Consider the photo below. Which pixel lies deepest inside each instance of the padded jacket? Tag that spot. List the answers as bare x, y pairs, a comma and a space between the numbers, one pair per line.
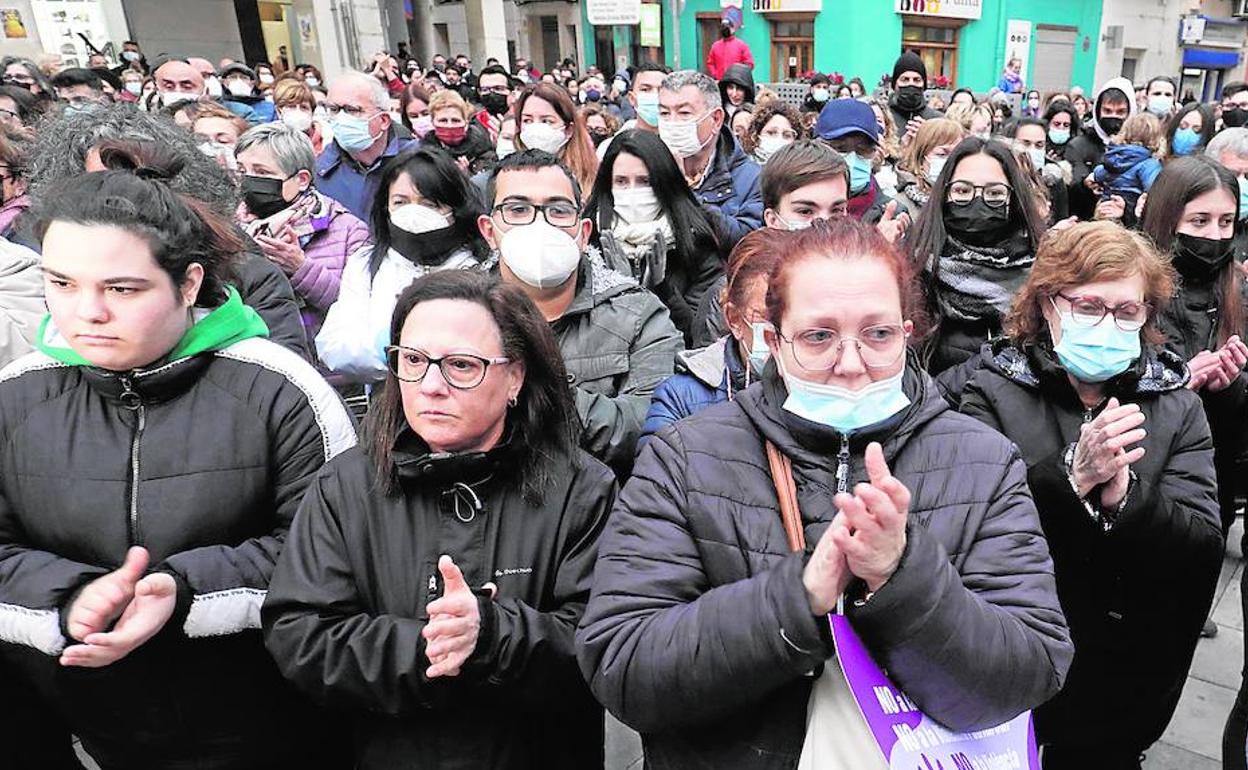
699, 632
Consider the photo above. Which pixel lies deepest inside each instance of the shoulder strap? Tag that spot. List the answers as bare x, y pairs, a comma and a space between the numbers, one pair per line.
786, 493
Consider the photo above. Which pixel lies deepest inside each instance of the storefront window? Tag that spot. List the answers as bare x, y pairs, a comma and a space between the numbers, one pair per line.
936, 45
792, 47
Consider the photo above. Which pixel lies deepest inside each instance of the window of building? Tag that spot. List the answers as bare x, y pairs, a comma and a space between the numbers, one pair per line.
792, 46
936, 44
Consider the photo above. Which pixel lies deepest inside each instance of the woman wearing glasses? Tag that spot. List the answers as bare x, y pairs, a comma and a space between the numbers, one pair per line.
707, 610
974, 242
435, 577
423, 220
1120, 461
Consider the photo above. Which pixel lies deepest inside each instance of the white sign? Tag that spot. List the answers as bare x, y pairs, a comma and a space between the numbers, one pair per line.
62, 25
947, 9
777, 6
1193, 29
605, 13
1018, 44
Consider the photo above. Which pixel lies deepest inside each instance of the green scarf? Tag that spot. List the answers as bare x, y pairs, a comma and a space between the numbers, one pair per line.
219, 328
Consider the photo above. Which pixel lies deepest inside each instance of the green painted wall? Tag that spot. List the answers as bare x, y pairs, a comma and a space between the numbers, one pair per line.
864, 39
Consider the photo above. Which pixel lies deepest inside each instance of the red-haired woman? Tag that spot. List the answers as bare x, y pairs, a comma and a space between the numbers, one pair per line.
1120, 461
945, 574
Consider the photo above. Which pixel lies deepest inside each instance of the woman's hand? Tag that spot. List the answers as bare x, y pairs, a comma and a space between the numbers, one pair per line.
454, 622
104, 599
1101, 456
1112, 208
892, 225
1229, 361
874, 536
827, 573
283, 249
155, 598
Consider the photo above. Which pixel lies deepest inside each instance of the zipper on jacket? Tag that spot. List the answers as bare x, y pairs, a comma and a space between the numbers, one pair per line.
131, 400
842, 465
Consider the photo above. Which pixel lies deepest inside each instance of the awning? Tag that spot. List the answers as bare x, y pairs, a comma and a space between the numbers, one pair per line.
1210, 60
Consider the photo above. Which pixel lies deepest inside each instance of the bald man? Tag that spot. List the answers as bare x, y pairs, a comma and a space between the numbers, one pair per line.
177, 82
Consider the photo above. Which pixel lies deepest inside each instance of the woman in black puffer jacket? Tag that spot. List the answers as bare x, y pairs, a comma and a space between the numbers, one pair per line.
703, 625
1119, 458
155, 450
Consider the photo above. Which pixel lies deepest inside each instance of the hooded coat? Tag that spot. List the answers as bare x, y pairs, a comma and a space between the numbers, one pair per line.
1085, 151
737, 75
1136, 585
699, 632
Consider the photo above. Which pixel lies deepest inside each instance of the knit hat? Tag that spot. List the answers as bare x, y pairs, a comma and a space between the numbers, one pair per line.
909, 62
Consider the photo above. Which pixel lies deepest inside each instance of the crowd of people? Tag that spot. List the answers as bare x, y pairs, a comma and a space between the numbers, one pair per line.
413, 416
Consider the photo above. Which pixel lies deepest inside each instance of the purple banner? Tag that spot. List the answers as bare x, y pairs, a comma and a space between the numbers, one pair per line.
911, 740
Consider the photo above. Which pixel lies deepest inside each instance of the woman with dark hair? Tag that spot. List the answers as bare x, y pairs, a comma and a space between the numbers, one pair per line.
974, 243
414, 110
856, 89
23, 73
1190, 214
1189, 130
710, 601
18, 109
650, 226
547, 120
1031, 107
1062, 124
434, 579
964, 96
424, 219
157, 449
773, 125
1119, 459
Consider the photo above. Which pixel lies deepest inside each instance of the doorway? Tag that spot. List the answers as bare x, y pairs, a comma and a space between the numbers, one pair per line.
708, 33
792, 46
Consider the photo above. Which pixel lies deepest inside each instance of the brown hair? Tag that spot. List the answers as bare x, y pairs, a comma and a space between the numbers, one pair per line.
842, 238
753, 258
292, 92
1087, 253
932, 134
763, 115
578, 154
214, 110
1143, 129
590, 110
806, 161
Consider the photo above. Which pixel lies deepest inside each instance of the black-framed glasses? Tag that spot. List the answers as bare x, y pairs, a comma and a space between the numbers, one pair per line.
1090, 311
818, 350
995, 194
462, 371
525, 213
332, 110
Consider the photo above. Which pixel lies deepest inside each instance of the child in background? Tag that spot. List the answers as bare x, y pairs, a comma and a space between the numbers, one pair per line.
1130, 164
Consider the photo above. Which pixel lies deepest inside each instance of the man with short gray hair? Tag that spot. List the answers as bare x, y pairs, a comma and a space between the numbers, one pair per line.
349, 168
721, 175
1230, 148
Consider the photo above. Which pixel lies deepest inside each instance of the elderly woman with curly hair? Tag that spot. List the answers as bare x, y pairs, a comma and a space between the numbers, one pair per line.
773, 126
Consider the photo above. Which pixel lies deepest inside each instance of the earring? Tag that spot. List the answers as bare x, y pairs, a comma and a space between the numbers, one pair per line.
511, 402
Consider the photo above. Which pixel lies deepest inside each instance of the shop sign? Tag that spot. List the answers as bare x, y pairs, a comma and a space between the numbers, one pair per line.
651, 25
946, 9
787, 6
605, 13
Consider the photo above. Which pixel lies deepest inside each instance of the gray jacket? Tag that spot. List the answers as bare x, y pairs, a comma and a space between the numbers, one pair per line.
21, 300
618, 344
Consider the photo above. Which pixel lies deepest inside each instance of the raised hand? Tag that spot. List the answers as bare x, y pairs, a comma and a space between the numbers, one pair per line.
874, 537
454, 622
826, 573
1101, 456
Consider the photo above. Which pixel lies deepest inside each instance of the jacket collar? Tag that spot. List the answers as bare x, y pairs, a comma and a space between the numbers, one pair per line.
596, 283
415, 464
1036, 366
333, 156
147, 386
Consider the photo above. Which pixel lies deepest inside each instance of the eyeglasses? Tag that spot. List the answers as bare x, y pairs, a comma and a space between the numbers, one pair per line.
496, 90
21, 80
818, 350
1090, 311
462, 371
332, 109
525, 213
785, 134
996, 194
6, 115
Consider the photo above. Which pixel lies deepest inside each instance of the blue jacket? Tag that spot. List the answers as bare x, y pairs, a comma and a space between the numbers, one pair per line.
703, 378
730, 191
338, 176
1127, 169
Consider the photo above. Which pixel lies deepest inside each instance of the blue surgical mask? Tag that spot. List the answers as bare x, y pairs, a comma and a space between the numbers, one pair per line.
1160, 105
648, 108
759, 352
1185, 140
1096, 353
859, 172
352, 134
1243, 198
842, 409
1059, 135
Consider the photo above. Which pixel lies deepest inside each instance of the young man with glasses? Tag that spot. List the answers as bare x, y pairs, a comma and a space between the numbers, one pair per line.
350, 168
617, 340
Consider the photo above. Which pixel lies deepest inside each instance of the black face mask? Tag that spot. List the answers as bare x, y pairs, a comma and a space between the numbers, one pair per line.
263, 195
431, 248
597, 138
1235, 117
1201, 259
976, 223
910, 98
495, 104
1110, 125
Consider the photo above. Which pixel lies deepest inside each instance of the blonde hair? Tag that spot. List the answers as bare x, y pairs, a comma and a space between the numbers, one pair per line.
932, 134
964, 114
288, 92
1143, 129
449, 100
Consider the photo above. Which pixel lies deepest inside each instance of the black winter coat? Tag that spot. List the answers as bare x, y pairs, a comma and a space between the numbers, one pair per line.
202, 461
1137, 595
1084, 153
699, 632
266, 289
347, 604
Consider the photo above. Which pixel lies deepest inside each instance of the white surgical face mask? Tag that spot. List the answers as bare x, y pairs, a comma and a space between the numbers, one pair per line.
767, 146
170, 98
504, 147
213, 88
267, 79
636, 205
312, 81
800, 224
134, 87
934, 167
300, 120
239, 87
1036, 156
223, 154
417, 219
681, 137
539, 136
539, 254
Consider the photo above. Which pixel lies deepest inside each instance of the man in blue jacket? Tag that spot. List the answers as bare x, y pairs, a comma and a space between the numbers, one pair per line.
721, 175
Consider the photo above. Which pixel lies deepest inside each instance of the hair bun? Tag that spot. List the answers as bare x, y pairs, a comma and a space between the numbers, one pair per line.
145, 160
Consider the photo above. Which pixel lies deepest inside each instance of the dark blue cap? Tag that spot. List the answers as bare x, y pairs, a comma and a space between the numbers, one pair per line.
842, 117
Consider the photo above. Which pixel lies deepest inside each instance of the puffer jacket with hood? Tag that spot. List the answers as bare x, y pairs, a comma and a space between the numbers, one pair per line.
346, 609
731, 191
703, 378
738, 75
1135, 584
201, 458
699, 631
1085, 151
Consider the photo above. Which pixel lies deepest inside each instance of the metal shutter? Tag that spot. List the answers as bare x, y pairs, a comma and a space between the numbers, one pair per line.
1054, 57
